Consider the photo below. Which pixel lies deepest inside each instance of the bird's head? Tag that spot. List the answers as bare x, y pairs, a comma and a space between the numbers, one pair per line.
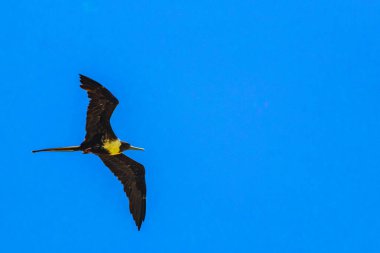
127, 146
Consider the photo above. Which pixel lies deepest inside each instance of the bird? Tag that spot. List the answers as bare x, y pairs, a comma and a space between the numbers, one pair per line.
101, 140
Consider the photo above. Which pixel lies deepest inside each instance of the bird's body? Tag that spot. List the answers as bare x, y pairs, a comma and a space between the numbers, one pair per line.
112, 146
102, 141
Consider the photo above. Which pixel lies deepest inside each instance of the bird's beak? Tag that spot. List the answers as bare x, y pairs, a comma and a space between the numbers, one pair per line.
135, 148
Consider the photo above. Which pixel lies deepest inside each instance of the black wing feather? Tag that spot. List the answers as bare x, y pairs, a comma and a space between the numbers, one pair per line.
132, 176
99, 111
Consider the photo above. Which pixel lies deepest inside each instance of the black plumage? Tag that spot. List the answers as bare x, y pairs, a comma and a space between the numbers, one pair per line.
132, 175
100, 109
101, 140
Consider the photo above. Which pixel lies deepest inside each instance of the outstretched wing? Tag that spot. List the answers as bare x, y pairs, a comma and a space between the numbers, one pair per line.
99, 111
132, 176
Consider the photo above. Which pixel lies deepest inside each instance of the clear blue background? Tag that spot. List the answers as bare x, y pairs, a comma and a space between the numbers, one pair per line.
260, 121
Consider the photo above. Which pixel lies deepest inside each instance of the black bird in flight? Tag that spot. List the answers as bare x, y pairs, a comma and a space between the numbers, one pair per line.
102, 141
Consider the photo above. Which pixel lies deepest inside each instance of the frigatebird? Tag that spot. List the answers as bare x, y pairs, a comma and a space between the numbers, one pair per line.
101, 140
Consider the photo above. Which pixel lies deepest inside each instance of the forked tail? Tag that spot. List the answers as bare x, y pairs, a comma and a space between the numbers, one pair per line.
65, 149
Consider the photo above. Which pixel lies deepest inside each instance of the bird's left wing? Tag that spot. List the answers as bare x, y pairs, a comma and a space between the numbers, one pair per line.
132, 176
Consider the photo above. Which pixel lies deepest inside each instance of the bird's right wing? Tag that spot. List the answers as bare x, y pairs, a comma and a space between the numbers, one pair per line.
99, 111
132, 176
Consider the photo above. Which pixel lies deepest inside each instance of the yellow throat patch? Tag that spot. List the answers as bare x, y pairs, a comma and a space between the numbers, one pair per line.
112, 146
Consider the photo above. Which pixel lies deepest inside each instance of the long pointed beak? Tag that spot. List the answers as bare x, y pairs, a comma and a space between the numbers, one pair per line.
135, 148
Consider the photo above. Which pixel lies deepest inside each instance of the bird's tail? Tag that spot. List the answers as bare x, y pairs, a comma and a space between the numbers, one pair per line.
71, 148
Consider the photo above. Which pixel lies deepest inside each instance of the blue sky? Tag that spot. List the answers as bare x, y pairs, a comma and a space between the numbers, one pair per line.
260, 121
